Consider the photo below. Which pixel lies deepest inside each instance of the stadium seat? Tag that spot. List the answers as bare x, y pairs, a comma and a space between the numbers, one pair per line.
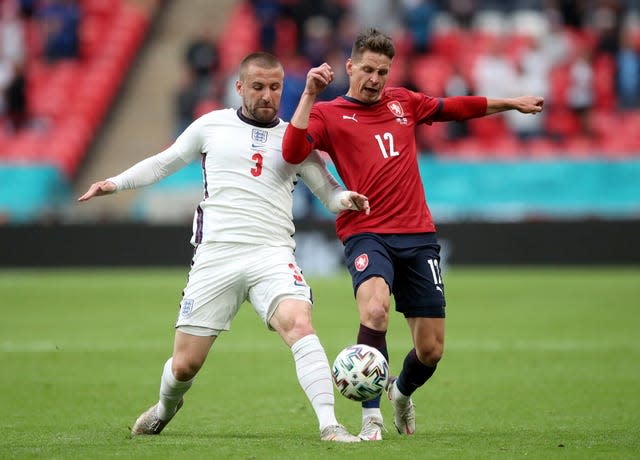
604, 74
561, 123
580, 147
542, 148
430, 74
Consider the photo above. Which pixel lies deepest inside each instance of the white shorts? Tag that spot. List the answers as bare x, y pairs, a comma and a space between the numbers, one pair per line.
224, 275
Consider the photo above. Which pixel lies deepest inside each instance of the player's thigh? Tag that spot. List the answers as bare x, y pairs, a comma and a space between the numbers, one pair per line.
418, 289
367, 256
216, 286
273, 277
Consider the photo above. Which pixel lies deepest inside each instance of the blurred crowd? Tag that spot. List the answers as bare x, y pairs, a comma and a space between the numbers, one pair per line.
46, 30
583, 56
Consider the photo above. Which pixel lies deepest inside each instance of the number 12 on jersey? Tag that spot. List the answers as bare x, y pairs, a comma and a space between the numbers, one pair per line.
381, 143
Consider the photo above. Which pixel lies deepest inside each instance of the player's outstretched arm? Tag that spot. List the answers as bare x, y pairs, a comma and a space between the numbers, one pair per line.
523, 104
104, 187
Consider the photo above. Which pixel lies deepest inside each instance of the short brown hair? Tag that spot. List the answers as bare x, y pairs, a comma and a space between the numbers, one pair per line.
261, 59
375, 41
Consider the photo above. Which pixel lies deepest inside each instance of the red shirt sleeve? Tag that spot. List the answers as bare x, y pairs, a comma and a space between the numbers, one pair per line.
461, 108
296, 145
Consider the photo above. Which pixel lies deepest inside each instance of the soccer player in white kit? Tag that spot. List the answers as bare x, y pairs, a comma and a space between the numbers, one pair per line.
243, 237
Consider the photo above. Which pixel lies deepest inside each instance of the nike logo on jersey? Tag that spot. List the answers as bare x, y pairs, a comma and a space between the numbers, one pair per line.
352, 117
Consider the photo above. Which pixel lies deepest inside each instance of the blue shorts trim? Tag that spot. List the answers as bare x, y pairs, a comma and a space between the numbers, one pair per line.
410, 265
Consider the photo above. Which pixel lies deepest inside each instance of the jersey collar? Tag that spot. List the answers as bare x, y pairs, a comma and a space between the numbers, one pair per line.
253, 122
356, 101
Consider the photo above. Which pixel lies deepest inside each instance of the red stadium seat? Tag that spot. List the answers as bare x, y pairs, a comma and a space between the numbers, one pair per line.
561, 122
430, 74
542, 148
580, 147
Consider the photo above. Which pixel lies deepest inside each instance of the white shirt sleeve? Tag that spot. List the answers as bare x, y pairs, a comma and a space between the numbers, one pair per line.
317, 177
183, 151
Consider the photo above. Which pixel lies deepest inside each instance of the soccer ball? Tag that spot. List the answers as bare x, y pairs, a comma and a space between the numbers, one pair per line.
360, 372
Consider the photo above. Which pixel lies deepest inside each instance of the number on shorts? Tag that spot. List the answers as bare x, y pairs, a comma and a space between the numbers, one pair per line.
435, 271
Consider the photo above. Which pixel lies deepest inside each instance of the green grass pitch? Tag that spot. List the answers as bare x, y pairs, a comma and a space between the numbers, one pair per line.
539, 363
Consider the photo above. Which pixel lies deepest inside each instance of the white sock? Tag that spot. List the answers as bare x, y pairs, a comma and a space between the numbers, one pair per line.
314, 375
171, 392
397, 395
371, 412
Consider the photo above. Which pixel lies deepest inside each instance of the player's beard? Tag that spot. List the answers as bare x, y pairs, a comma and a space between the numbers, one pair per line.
262, 113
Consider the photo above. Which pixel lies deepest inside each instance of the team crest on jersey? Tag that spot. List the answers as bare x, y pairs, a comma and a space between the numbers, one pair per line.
259, 135
361, 262
396, 109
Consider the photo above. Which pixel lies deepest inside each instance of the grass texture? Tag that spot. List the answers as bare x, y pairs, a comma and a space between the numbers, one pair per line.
539, 363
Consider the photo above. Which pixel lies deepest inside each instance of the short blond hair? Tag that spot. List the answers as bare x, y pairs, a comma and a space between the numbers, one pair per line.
261, 59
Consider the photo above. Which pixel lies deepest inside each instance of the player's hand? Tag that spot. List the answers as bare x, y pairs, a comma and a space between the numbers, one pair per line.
318, 78
529, 104
104, 187
356, 202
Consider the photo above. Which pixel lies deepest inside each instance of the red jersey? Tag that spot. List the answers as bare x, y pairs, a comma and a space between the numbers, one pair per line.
373, 147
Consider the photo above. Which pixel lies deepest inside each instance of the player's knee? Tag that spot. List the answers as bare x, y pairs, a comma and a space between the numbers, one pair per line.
376, 316
301, 326
294, 327
430, 354
185, 369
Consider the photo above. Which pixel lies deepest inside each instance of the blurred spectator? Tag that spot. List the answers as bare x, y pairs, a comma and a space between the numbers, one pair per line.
628, 66
457, 85
345, 34
494, 75
554, 43
295, 76
532, 77
580, 92
606, 19
13, 102
301, 10
60, 20
318, 36
340, 84
267, 13
27, 8
201, 84
572, 12
384, 15
418, 19
462, 11
201, 55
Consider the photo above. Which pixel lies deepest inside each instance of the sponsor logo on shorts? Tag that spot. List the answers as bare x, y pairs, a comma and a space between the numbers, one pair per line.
298, 279
361, 262
186, 306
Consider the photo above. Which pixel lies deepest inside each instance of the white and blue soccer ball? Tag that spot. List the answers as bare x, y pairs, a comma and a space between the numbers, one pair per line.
360, 372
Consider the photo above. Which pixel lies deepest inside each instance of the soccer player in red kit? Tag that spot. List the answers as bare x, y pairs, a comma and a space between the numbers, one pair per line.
369, 133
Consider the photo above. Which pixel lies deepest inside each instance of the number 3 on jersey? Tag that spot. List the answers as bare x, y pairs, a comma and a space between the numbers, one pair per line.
257, 170
381, 143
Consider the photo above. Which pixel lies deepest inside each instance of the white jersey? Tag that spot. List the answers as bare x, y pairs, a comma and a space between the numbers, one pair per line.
248, 187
